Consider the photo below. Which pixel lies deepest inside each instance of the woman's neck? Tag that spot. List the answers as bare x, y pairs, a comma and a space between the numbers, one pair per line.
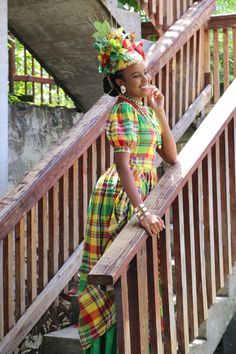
134, 99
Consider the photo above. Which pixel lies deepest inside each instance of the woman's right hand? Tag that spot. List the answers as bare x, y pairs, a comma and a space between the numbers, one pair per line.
153, 224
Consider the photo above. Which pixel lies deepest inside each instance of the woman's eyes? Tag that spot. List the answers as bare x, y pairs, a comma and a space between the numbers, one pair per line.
138, 75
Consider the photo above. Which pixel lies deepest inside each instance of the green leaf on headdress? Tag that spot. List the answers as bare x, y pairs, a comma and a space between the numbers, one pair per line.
113, 56
103, 29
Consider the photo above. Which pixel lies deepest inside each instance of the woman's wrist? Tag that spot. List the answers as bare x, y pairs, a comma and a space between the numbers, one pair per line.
141, 211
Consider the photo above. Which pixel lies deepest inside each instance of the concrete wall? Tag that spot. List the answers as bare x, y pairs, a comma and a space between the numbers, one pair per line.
33, 131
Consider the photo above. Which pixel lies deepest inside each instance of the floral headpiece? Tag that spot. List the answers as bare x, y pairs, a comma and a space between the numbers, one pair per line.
116, 50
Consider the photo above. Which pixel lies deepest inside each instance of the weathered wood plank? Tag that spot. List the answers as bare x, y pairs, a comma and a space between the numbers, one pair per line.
216, 67
1, 292
170, 345
31, 255
41, 303
199, 245
83, 195
53, 230
221, 21
43, 241
154, 297
209, 229
232, 176
133, 301
226, 57
180, 274
190, 260
20, 267
143, 298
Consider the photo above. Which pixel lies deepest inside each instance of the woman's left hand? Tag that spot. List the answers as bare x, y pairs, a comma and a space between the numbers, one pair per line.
156, 99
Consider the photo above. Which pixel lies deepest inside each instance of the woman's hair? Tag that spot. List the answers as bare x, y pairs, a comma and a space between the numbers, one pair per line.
109, 84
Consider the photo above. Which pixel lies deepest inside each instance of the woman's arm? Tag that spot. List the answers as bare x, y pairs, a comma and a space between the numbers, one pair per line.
152, 223
168, 151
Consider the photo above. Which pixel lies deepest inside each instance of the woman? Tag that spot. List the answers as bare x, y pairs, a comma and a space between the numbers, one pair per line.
135, 132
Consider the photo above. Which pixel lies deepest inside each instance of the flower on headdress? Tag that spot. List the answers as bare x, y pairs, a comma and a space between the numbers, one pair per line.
116, 50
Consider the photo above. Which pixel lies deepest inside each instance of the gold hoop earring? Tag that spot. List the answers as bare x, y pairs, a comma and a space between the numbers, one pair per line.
122, 89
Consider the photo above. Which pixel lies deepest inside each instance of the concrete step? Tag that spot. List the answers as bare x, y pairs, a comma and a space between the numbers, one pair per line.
64, 341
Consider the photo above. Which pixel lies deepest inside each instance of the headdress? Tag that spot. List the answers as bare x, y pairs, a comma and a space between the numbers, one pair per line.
116, 50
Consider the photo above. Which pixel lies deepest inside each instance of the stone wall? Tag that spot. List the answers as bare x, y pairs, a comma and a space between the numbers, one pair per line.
33, 130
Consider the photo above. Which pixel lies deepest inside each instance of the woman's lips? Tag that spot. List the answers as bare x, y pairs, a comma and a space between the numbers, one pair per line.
146, 87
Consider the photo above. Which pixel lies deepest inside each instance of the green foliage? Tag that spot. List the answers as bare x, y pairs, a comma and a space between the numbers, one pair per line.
225, 6
24, 91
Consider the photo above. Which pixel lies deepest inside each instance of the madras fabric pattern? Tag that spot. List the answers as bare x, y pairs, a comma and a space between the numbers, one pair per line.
109, 210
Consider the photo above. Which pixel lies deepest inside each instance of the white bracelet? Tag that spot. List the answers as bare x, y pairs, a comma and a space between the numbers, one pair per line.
141, 211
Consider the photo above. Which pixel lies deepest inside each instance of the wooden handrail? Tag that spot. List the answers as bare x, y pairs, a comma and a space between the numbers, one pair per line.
38, 181
31, 189
119, 255
178, 34
222, 21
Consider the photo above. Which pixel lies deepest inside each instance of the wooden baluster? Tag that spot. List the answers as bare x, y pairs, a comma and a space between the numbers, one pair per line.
216, 70
133, 301
170, 345
186, 75
31, 255
226, 57
143, 298
181, 281
20, 267
101, 153
63, 219
25, 71
179, 79
41, 85
123, 330
109, 154
8, 287
33, 73
217, 217
225, 210
192, 69
190, 260
83, 195
74, 213
154, 297
53, 230
199, 245
234, 50
92, 168
152, 6
209, 229
160, 12
43, 241
172, 92
200, 61
232, 174
207, 52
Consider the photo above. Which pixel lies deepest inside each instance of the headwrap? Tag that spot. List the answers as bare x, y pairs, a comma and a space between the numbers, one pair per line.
116, 50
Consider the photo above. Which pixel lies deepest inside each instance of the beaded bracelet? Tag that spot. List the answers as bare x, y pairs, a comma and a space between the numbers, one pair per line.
141, 211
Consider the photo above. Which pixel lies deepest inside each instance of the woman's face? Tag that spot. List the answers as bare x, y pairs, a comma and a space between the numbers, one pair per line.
136, 81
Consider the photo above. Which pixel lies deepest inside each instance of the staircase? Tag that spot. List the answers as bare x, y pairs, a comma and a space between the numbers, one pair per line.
40, 216
58, 33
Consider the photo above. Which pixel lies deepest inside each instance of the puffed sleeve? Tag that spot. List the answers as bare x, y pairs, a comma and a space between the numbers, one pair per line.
122, 128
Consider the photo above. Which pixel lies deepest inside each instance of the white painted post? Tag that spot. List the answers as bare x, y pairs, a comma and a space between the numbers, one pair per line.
3, 98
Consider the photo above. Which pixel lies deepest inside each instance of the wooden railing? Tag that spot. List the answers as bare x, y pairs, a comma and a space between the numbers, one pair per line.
163, 13
220, 44
29, 80
198, 194
42, 220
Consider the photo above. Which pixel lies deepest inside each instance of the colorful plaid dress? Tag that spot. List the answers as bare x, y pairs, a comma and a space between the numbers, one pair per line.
109, 210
